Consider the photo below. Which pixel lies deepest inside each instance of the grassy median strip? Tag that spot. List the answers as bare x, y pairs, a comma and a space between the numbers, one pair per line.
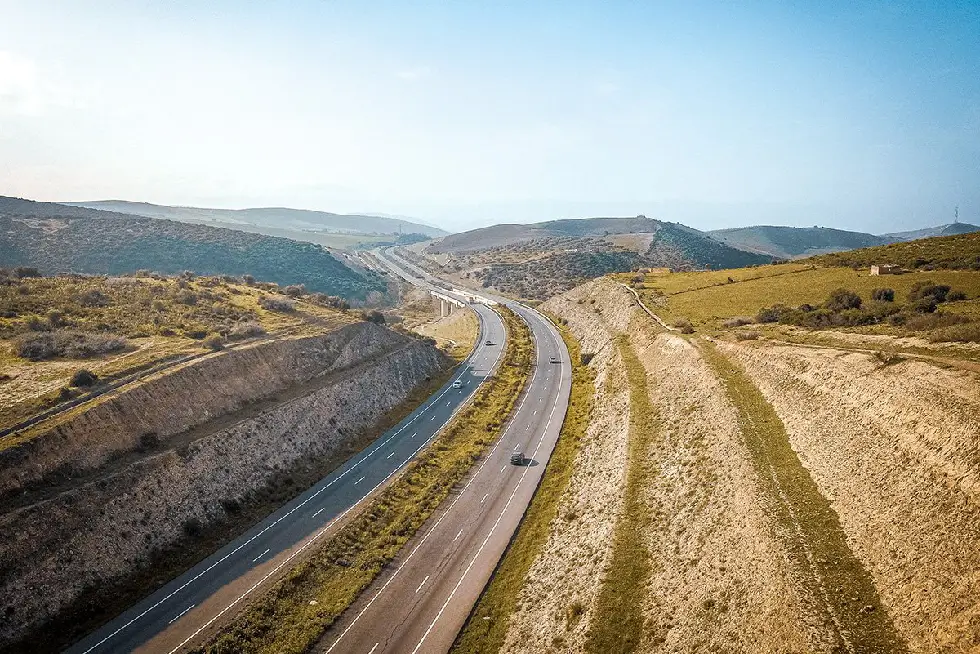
499, 599
617, 624
837, 588
298, 609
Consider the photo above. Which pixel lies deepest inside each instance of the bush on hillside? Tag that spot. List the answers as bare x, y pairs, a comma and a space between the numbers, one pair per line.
842, 299
956, 296
738, 321
683, 325
83, 378
374, 316
929, 291
246, 330
71, 345
883, 294
279, 303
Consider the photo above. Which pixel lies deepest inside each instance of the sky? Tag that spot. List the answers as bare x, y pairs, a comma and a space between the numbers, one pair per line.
856, 115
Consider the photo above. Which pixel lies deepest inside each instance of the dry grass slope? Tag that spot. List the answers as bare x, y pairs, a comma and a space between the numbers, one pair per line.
617, 625
839, 590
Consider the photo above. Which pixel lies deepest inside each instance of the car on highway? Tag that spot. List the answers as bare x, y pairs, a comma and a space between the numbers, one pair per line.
517, 457
489, 342
458, 384
554, 360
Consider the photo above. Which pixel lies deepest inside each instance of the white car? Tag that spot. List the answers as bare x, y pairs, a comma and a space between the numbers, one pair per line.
554, 359
457, 384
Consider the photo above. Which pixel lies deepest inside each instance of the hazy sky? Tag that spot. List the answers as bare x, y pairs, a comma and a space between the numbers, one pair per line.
854, 115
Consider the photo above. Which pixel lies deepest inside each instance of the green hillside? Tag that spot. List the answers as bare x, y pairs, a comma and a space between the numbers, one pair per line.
56, 238
957, 252
793, 242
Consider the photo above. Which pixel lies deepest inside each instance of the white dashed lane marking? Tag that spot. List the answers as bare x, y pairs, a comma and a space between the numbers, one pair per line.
422, 584
260, 556
177, 617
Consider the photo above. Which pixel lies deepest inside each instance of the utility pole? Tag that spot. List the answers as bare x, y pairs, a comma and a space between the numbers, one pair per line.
956, 215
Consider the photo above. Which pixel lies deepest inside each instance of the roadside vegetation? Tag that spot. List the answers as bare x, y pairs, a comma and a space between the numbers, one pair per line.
617, 624
115, 327
296, 611
487, 625
838, 591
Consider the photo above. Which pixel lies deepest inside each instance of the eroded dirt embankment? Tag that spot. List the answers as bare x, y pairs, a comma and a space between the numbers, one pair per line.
719, 577
96, 533
896, 448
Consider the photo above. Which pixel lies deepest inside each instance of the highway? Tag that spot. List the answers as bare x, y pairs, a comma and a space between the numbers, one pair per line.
188, 609
420, 602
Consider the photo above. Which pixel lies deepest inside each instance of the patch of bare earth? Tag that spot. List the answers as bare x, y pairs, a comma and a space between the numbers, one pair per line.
558, 597
720, 578
896, 450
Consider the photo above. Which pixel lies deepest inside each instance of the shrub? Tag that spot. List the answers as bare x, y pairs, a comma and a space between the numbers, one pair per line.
738, 321
374, 316
923, 305
187, 297
683, 325
963, 333
955, 296
22, 271
842, 299
746, 335
246, 330
93, 298
279, 303
71, 345
214, 343
774, 313
295, 290
928, 291
883, 294
83, 378
935, 321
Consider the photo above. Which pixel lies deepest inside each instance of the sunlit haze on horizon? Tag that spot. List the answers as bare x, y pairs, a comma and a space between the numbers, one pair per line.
860, 116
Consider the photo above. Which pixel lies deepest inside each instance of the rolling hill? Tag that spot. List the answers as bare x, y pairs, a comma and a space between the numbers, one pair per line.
542, 259
942, 230
956, 252
795, 242
58, 238
291, 221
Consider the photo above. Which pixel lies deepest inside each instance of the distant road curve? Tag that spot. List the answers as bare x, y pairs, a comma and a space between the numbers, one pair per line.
420, 602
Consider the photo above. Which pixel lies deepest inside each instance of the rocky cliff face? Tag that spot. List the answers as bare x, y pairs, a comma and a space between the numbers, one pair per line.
130, 506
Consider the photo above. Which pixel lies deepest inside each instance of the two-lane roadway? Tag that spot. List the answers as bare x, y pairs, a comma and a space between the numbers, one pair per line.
423, 599
189, 608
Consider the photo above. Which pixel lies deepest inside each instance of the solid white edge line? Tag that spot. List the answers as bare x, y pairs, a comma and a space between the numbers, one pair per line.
429, 403
329, 524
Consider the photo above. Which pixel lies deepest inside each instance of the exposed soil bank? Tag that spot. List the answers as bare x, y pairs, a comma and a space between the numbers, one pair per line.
110, 527
896, 448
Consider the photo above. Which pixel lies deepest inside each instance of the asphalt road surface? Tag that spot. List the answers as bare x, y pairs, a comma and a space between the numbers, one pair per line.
185, 611
420, 602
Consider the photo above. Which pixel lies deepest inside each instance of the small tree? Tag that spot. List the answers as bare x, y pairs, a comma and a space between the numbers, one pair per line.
83, 378
883, 294
842, 299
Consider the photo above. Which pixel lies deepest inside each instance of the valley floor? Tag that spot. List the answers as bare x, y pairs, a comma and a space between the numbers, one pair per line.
757, 496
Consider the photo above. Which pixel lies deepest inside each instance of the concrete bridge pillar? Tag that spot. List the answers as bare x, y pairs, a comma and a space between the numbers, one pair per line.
442, 308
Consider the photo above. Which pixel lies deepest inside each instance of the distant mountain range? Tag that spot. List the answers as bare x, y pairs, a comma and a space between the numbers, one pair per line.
797, 242
60, 238
271, 217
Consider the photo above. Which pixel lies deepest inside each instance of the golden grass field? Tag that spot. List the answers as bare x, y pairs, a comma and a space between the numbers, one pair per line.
708, 298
